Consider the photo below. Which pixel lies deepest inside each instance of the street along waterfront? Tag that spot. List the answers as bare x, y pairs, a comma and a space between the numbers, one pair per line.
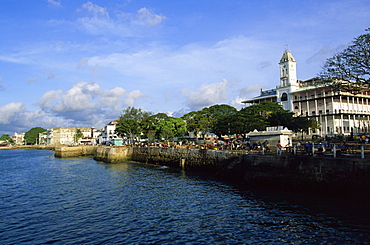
81, 201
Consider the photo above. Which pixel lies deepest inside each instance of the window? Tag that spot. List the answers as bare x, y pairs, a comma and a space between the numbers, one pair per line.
284, 97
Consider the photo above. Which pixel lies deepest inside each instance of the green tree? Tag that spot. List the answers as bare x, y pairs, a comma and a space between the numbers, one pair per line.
207, 119
78, 135
171, 127
281, 118
31, 136
352, 64
266, 108
303, 124
196, 122
149, 125
129, 123
6, 137
257, 117
247, 120
128, 127
134, 113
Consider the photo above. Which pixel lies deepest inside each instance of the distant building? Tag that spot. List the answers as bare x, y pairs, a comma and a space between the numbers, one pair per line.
337, 112
43, 138
66, 136
109, 136
18, 138
273, 135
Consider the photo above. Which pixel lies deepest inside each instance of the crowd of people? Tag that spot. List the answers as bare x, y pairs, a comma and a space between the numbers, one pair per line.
258, 147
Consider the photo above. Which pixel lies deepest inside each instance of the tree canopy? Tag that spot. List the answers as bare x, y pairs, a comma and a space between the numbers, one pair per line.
218, 119
6, 137
352, 64
208, 119
78, 135
31, 136
129, 122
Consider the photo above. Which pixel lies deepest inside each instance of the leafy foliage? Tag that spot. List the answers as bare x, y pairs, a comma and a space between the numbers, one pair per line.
219, 119
6, 137
208, 119
171, 127
352, 64
303, 124
134, 113
129, 122
149, 124
32, 135
162, 126
78, 135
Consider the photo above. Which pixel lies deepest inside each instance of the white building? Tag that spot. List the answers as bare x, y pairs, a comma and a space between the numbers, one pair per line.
66, 136
273, 135
108, 134
338, 112
18, 138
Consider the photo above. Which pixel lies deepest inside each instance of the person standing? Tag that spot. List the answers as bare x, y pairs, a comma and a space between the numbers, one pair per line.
279, 148
265, 146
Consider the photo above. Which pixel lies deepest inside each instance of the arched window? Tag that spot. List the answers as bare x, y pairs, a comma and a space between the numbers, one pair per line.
284, 97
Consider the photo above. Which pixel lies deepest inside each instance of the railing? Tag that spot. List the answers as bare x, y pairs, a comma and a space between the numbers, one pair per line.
331, 150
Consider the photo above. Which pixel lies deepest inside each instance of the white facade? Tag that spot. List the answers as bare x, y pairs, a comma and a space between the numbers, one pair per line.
108, 134
273, 135
66, 135
18, 138
288, 80
337, 112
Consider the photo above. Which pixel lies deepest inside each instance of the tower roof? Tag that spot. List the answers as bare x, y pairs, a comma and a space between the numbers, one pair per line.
287, 56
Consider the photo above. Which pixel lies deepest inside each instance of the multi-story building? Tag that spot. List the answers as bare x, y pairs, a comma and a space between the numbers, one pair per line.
66, 136
108, 134
18, 138
337, 111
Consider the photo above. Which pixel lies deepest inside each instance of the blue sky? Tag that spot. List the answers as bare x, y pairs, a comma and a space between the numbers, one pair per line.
80, 63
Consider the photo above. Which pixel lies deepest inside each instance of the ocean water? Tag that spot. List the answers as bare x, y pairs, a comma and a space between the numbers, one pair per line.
46, 200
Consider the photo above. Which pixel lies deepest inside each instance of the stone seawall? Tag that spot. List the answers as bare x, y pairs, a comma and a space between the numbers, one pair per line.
75, 151
192, 159
348, 177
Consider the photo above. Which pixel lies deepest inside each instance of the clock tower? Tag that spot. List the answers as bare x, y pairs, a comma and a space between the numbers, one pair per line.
288, 80
288, 72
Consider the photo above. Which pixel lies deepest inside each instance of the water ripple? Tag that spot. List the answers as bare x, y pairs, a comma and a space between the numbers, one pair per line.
77, 201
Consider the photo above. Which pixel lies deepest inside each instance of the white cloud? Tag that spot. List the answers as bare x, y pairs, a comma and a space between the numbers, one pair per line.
250, 90
54, 3
96, 10
207, 95
82, 96
2, 87
86, 102
16, 118
10, 111
97, 20
132, 96
148, 17
236, 102
48, 100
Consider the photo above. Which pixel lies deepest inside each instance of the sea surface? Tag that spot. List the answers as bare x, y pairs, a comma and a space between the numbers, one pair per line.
46, 200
